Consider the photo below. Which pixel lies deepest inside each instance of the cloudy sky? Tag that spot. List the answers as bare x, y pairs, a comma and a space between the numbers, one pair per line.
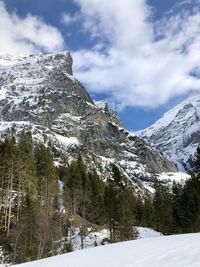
142, 56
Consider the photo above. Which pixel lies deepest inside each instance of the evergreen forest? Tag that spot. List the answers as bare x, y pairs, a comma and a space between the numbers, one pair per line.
40, 202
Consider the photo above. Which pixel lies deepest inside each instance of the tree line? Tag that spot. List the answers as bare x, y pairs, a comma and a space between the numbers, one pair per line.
38, 202
177, 208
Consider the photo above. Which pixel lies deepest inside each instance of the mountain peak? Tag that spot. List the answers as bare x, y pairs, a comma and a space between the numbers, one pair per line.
62, 59
177, 132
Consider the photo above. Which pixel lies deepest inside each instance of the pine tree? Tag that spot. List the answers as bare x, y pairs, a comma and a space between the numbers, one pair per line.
177, 191
162, 205
190, 206
8, 176
119, 207
190, 201
95, 205
47, 176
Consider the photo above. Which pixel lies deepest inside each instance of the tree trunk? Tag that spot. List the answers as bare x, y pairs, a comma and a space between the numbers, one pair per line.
18, 199
10, 200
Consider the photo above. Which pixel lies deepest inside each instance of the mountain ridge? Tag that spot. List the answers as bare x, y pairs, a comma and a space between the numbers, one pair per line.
177, 133
41, 95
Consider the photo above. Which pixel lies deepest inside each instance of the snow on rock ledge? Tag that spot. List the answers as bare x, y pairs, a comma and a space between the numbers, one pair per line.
179, 177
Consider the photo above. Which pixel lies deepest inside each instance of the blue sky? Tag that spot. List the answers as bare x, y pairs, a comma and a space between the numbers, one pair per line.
136, 54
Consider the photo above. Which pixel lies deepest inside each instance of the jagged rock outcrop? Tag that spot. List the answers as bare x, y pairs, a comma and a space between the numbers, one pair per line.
40, 94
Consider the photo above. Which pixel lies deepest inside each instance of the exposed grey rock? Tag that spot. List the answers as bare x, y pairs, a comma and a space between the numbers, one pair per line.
39, 93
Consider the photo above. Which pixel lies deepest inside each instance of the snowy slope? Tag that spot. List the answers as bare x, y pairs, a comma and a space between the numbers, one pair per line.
170, 251
144, 233
101, 237
96, 238
177, 133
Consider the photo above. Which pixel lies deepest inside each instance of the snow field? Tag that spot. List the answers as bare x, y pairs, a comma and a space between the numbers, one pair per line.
165, 251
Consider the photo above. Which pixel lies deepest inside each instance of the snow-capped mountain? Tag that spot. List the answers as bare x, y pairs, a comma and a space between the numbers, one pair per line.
39, 93
177, 133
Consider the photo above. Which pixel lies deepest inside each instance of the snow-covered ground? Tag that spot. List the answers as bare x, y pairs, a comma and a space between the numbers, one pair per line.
93, 239
101, 237
144, 233
165, 251
98, 238
167, 178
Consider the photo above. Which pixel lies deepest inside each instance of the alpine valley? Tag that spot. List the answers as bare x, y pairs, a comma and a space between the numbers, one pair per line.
71, 177
99, 133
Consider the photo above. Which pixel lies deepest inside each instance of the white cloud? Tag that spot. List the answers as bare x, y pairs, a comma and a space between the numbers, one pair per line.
27, 35
67, 18
122, 22
143, 63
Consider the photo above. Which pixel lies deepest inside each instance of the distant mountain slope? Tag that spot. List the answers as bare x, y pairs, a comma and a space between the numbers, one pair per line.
173, 251
177, 133
40, 94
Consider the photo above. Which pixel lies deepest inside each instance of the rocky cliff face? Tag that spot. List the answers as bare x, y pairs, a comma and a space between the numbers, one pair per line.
39, 93
177, 133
